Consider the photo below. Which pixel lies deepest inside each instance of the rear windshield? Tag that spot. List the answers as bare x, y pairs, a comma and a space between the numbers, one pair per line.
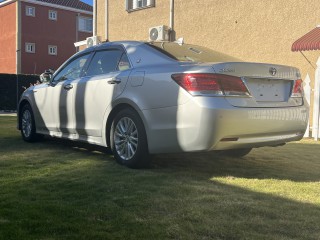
190, 53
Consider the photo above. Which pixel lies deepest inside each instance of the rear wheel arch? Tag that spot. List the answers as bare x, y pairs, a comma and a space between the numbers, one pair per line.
134, 137
112, 115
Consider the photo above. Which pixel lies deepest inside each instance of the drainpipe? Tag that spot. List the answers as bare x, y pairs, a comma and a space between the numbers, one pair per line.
18, 47
172, 37
95, 18
107, 20
77, 30
18, 37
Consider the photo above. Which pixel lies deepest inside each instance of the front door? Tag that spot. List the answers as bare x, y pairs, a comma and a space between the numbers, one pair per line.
57, 98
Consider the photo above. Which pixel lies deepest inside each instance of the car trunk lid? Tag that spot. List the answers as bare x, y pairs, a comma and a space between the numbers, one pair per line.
269, 85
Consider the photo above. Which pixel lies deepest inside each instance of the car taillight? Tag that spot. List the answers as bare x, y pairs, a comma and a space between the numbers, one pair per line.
297, 90
211, 84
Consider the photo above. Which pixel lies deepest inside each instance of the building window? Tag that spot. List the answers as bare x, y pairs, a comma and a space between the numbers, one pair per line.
30, 11
53, 15
52, 50
30, 47
85, 24
133, 5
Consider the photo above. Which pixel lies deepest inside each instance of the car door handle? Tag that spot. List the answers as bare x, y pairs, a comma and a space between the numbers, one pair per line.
114, 81
68, 86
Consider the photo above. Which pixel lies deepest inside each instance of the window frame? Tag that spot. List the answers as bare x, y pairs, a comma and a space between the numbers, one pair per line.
33, 45
133, 5
54, 53
86, 19
33, 14
55, 14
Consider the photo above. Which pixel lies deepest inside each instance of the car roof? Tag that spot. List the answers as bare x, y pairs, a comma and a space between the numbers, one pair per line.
108, 44
115, 43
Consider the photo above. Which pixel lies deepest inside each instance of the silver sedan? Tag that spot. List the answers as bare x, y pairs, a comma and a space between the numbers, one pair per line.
142, 98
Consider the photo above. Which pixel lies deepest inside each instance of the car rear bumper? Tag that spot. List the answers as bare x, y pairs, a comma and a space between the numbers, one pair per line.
205, 124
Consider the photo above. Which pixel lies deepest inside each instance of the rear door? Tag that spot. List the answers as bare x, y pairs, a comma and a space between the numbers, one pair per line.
104, 80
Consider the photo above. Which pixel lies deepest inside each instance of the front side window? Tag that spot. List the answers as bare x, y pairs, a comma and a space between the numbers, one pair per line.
72, 70
52, 50
53, 15
107, 61
30, 11
30, 47
85, 24
133, 5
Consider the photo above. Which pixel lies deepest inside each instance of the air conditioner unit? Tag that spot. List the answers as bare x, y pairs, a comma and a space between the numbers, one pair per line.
92, 41
159, 33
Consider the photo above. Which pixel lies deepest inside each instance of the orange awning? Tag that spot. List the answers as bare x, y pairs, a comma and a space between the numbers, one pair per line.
308, 42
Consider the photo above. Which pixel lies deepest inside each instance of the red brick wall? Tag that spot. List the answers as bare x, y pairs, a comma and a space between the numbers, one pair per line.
43, 32
8, 38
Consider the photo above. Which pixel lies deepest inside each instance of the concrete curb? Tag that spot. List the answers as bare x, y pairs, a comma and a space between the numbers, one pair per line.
8, 113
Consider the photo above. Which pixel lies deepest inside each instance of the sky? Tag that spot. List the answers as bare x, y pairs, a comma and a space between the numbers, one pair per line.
88, 1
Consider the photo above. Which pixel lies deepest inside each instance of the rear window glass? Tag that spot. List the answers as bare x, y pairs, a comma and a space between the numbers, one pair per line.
191, 53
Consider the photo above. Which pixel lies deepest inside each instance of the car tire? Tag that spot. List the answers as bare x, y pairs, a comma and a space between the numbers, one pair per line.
28, 127
128, 139
237, 152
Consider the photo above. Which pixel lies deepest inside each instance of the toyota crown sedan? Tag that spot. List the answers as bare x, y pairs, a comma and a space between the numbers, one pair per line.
142, 98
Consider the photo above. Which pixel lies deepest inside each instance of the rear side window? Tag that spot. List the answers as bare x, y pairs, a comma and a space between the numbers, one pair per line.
105, 61
190, 53
124, 63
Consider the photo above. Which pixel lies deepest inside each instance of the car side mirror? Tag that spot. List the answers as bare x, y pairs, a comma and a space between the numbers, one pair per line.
46, 76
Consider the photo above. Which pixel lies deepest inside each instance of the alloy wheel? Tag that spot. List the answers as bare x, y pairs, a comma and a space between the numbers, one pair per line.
126, 138
26, 123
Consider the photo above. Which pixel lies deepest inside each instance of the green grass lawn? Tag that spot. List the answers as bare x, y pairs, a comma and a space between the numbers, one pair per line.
58, 189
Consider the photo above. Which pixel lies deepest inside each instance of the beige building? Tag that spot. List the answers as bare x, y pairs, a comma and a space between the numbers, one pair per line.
252, 30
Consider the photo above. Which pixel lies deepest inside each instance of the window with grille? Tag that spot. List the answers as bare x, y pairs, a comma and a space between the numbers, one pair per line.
30, 11
133, 5
52, 50
30, 47
53, 15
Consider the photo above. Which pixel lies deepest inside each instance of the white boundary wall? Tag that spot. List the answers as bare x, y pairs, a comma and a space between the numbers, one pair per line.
316, 100
307, 95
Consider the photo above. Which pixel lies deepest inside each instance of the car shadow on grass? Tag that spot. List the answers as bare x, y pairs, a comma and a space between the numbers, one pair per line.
296, 161
77, 146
